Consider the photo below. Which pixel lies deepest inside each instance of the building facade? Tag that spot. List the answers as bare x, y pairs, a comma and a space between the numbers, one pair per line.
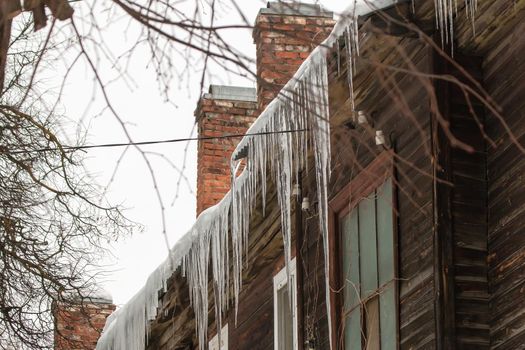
424, 247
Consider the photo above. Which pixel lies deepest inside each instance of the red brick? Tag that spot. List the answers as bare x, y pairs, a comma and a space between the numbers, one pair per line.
79, 326
304, 54
299, 35
287, 54
283, 27
220, 117
294, 20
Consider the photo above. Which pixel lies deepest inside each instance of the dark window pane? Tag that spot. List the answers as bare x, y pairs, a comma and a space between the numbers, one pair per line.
285, 320
371, 312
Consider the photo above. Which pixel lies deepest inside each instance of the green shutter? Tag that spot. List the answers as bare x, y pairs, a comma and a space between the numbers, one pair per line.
350, 238
368, 264
368, 245
385, 236
388, 318
353, 330
385, 233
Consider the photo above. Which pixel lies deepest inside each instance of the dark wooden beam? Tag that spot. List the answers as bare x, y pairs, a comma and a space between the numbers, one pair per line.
442, 219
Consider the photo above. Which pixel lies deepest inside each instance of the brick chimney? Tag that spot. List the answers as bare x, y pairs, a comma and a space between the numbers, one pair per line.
284, 35
224, 110
78, 324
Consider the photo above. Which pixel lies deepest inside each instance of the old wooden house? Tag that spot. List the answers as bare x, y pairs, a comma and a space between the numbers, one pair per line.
410, 236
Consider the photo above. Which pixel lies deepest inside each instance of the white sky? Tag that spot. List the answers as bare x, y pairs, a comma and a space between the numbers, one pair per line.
150, 118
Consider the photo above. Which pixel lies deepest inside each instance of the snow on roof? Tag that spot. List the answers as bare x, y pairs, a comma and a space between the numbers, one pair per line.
100, 295
235, 93
295, 9
93, 293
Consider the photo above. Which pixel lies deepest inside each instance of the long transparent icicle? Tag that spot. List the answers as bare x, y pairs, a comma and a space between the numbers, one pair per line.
127, 328
445, 11
302, 105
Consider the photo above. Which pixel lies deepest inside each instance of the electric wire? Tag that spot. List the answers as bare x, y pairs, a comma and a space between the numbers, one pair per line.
143, 143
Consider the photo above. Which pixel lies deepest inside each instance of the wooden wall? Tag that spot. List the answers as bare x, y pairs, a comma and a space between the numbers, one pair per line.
469, 212
353, 150
487, 204
504, 71
253, 328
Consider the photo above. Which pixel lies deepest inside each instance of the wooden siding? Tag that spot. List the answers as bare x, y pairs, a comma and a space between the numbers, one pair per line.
487, 200
352, 151
469, 214
504, 70
253, 328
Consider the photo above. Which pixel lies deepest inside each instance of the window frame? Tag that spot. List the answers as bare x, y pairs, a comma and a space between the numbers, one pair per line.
279, 282
371, 177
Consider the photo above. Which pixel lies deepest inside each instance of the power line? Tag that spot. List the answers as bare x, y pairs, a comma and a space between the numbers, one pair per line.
154, 142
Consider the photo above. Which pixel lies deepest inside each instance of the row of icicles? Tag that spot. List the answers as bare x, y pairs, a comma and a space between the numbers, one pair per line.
301, 105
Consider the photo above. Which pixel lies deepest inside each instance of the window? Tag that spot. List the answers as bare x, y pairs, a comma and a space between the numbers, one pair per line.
214, 342
369, 307
285, 309
362, 223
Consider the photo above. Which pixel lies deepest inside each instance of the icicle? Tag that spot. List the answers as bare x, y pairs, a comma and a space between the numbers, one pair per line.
445, 12
471, 7
319, 121
302, 105
127, 328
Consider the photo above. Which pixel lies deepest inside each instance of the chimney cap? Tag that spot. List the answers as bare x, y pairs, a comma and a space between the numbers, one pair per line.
295, 8
234, 93
94, 295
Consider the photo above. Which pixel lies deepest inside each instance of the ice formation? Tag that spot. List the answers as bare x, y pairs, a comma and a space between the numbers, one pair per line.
445, 12
301, 107
444, 16
295, 122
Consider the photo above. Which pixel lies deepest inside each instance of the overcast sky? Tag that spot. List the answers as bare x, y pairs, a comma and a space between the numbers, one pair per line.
150, 118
